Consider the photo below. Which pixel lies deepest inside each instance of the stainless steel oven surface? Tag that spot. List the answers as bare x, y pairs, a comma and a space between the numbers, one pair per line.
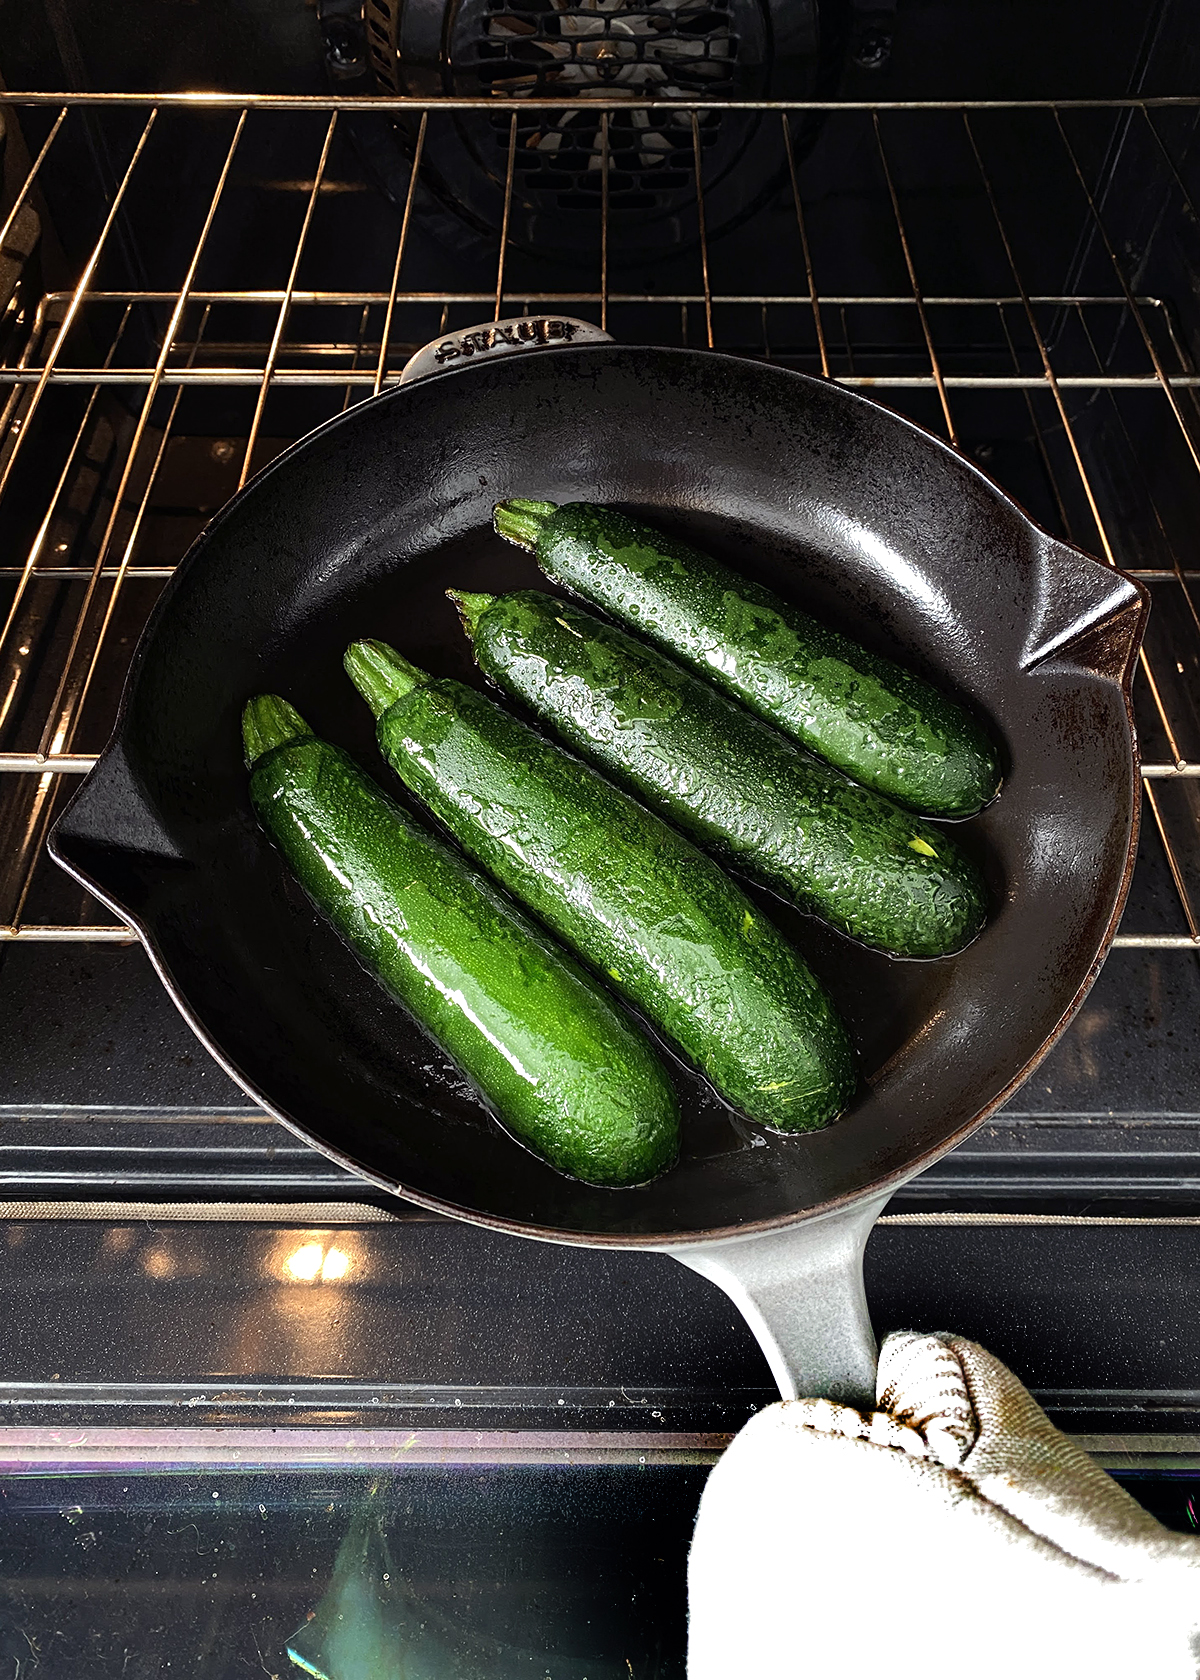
246, 1402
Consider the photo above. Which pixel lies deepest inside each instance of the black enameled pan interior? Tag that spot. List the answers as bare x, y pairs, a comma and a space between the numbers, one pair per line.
829, 498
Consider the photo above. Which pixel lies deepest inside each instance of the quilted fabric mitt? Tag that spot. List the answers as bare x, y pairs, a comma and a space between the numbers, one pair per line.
952, 1531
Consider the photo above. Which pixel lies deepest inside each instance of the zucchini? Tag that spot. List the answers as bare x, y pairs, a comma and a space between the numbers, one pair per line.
883, 725
754, 799
549, 1052
631, 896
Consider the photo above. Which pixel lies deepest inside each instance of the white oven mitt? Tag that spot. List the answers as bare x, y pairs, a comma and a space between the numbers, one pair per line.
952, 1533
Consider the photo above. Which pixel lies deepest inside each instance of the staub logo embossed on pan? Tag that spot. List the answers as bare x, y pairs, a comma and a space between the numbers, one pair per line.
534, 329
500, 338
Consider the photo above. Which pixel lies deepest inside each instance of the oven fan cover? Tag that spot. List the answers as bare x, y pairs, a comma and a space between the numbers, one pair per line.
661, 50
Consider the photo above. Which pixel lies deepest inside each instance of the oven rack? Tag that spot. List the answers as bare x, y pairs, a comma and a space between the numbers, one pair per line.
1093, 377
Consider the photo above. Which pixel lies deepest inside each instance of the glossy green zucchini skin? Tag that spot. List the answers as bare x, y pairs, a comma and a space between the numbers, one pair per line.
558, 1062
631, 896
744, 792
883, 725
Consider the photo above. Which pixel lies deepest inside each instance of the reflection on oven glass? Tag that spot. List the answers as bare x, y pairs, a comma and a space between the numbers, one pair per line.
383, 1619
434, 1571
478, 1564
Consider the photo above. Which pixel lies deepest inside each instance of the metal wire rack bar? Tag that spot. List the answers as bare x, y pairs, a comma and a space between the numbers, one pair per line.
935, 366
267, 295
362, 380
64, 350
401, 243
264, 383
203, 101
73, 307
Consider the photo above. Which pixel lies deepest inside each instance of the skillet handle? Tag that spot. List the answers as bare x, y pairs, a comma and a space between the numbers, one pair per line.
499, 338
801, 1292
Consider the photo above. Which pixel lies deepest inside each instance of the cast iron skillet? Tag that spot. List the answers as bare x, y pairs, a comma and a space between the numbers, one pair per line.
831, 500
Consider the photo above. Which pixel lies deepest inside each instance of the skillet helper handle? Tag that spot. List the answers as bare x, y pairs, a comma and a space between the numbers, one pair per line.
801, 1292
500, 338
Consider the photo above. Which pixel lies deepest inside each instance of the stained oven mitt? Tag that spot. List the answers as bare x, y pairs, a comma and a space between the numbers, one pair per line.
954, 1531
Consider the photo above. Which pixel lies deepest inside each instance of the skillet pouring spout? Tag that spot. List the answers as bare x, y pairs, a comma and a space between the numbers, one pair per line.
1090, 613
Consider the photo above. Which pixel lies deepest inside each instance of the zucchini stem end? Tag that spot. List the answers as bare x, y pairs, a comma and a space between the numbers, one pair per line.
380, 674
268, 722
520, 521
471, 608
